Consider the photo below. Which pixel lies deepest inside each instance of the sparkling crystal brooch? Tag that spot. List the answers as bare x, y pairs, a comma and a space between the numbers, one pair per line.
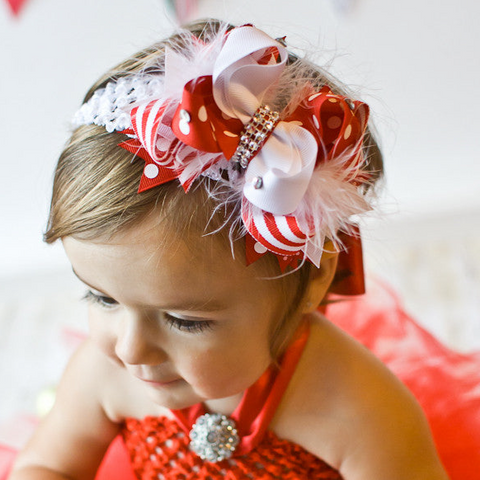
255, 134
214, 437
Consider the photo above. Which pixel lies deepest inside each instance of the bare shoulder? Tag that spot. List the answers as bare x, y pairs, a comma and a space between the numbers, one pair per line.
78, 421
346, 407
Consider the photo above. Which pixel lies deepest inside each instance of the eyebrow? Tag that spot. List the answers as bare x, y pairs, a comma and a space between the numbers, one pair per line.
189, 304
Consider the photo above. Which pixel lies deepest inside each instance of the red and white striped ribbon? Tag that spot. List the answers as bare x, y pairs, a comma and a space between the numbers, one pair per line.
280, 234
146, 122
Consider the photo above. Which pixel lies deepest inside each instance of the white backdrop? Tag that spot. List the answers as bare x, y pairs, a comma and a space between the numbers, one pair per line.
416, 63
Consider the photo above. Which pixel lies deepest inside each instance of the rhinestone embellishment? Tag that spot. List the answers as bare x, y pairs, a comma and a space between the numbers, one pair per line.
255, 133
350, 104
257, 182
214, 437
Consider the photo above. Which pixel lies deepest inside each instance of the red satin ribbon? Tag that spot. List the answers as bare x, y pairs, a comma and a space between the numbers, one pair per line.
207, 124
349, 277
336, 122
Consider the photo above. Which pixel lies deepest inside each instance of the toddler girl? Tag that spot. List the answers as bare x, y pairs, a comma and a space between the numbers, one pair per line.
205, 199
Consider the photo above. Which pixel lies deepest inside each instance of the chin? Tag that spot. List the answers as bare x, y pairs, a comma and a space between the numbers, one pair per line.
183, 397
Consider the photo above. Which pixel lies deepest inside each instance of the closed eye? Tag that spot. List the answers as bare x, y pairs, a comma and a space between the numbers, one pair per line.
192, 326
99, 299
187, 325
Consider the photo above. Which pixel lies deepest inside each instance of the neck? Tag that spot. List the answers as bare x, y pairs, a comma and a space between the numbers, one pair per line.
225, 406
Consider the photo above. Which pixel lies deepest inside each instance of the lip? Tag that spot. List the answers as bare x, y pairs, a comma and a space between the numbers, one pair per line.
157, 383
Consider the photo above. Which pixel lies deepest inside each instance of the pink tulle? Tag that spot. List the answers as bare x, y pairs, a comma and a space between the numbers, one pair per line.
7, 456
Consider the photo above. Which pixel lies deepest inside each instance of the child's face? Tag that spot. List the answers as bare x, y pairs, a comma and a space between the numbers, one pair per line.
192, 325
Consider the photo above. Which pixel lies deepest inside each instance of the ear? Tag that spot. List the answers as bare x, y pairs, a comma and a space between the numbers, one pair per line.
320, 279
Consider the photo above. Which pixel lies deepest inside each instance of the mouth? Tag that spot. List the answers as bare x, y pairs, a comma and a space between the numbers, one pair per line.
162, 383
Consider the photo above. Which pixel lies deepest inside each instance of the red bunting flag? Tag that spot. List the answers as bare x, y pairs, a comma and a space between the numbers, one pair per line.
16, 5
184, 10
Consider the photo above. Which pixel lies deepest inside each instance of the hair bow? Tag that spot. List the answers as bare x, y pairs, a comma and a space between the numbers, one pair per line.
300, 167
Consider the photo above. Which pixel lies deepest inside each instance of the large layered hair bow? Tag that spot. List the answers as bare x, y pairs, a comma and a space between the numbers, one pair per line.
300, 184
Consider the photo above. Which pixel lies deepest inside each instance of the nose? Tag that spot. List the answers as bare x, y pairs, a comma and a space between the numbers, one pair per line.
138, 341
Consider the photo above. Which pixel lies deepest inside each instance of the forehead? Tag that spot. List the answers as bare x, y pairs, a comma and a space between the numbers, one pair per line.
149, 264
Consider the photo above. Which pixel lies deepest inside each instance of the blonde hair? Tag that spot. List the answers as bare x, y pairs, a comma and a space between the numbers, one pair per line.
96, 181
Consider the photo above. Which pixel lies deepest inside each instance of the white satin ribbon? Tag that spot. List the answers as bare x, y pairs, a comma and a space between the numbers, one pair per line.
286, 161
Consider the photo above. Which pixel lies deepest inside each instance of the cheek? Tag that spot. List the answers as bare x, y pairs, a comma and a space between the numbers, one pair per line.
223, 372
102, 332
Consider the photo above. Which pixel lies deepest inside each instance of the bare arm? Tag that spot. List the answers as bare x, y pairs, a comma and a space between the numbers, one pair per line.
71, 441
37, 473
348, 409
392, 440
388, 434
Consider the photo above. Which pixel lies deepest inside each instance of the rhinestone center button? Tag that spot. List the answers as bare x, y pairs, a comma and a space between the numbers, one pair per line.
255, 133
214, 437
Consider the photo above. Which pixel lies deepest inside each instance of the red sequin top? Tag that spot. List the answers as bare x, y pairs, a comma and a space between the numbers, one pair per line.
159, 446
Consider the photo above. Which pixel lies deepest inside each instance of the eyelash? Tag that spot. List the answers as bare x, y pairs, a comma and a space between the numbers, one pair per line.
191, 326
102, 300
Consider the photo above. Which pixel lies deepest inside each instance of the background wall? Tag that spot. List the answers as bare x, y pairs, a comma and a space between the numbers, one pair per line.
416, 63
